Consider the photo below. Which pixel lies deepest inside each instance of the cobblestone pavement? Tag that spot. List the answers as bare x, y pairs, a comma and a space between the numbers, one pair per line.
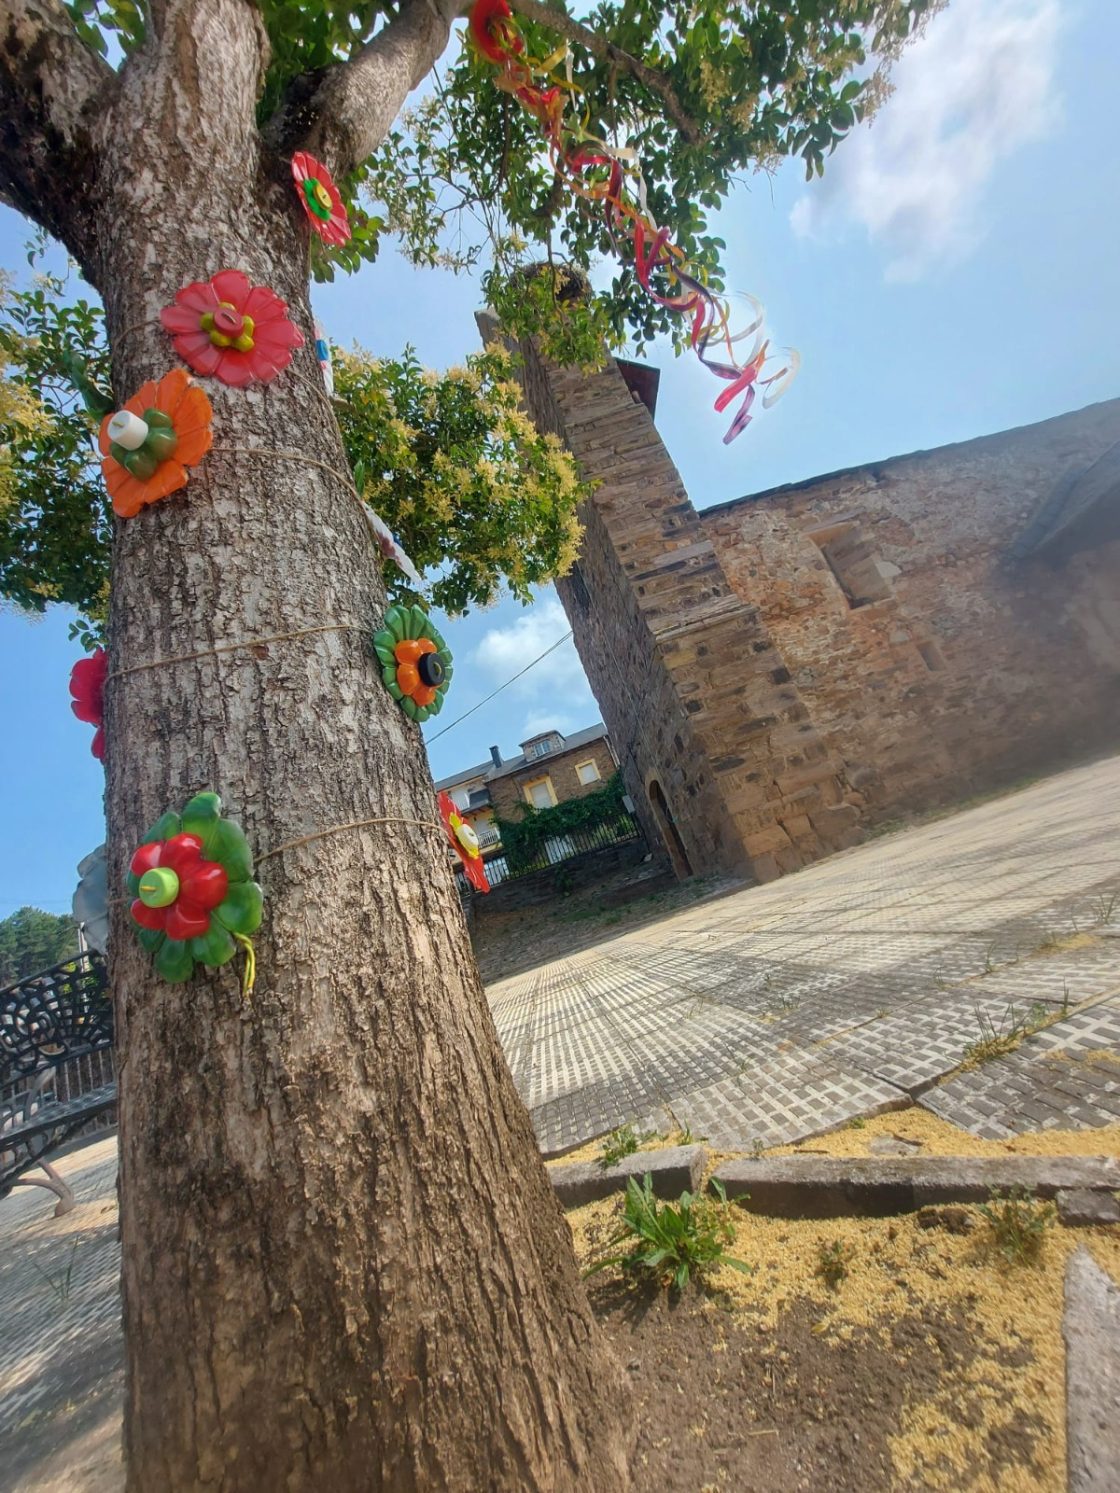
775, 1012
61, 1364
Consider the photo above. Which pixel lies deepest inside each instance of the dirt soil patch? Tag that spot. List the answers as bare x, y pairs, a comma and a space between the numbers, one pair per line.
721, 1405
931, 1364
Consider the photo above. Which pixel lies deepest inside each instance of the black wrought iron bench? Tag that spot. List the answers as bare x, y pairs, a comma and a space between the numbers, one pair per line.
47, 1023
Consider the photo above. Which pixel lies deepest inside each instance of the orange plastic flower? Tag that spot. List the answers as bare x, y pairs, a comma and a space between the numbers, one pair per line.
177, 415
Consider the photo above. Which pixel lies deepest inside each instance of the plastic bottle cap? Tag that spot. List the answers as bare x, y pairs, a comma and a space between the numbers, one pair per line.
467, 839
128, 430
159, 887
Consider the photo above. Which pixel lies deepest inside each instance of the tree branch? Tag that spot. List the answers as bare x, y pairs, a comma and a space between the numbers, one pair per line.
343, 113
51, 90
600, 46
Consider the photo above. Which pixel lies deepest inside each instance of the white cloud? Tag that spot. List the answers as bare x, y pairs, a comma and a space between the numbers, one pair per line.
976, 87
555, 690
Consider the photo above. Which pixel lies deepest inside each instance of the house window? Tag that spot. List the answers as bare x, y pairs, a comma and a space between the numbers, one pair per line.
848, 554
543, 747
541, 793
588, 772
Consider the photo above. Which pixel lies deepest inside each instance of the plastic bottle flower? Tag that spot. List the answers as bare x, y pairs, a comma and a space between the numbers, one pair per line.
231, 328
194, 900
87, 686
322, 201
415, 661
464, 842
147, 446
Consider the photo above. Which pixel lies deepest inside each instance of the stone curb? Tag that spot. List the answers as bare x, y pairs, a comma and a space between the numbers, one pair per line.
1091, 1328
673, 1171
830, 1187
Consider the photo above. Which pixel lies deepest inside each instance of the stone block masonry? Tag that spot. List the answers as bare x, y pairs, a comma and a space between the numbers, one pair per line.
935, 661
782, 671
703, 714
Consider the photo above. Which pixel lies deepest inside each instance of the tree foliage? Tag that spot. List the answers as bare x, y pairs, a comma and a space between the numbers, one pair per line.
475, 495
459, 474
464, 173
55, 516
32, 940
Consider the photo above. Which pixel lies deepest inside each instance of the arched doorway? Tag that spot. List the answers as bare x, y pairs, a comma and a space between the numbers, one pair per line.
668, 827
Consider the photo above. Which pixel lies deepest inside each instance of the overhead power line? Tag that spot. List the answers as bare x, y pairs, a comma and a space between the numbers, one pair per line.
452, 724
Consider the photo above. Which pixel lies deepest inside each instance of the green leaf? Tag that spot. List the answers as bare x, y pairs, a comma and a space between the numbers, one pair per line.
150, 938
409, 707
418, 623
384, 652
202, 806
215, 946
174, 961
229, 846
242, 910
163, 828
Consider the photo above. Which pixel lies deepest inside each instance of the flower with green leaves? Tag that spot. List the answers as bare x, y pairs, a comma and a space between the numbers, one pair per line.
415, 661
194, 899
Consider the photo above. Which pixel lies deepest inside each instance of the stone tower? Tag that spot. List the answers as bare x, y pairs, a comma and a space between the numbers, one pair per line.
718, 753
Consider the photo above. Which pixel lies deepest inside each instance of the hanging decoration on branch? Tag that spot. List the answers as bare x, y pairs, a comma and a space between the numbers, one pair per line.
609, 175
415, 661
148, 445
383, 536
387, 544
322, 201
233, 329
194, 899
87, 688
464, 842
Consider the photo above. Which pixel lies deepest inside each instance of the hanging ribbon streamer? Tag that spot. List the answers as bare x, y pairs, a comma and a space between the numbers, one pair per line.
609, 175
323, 353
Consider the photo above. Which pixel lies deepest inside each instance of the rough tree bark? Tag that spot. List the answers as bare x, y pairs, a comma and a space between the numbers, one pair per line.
343, 1265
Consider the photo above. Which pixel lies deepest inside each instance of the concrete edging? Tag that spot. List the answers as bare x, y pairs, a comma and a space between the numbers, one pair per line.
673, 1171
831, 1187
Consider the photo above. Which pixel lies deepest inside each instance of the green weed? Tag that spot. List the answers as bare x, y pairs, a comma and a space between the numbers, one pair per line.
1018, 1224
621, 1143
670, 1243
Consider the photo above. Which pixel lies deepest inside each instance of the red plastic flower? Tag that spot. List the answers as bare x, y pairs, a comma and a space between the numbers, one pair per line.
494, 30
464, 842
231, 328
87, 686
322, 201
178, 889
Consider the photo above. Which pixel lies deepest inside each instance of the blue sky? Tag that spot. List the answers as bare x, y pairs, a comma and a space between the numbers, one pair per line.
956, 272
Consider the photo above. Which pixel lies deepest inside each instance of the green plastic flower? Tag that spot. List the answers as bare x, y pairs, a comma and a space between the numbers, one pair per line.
194, 900
415, 661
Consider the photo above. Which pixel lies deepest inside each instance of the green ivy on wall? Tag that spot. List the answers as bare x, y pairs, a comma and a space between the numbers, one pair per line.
524, 839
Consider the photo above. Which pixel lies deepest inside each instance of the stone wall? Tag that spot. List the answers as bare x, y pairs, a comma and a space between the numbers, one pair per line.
933, 663
779, 671
507, 792
716, 745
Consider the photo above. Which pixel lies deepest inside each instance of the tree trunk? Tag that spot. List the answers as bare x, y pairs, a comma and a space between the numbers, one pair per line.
343, 1264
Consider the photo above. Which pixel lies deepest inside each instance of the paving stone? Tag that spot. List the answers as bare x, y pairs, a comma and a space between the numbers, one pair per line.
832, 1187
1067, 1077
1091, 1327
827, 995
672, 1171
